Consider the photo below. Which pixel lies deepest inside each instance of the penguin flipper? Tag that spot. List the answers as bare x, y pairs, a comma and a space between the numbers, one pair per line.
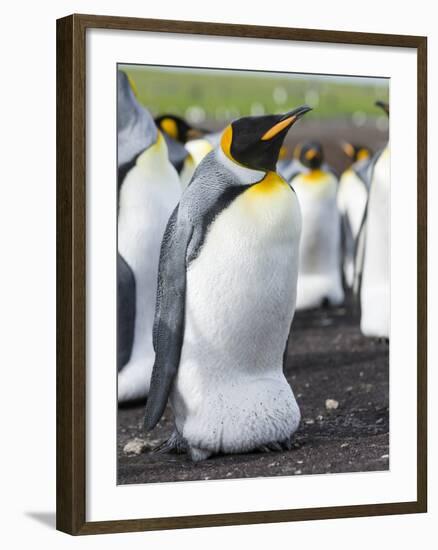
168, 331
125, 311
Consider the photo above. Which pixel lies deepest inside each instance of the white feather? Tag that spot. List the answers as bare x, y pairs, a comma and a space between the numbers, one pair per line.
148, 196
319, 274
375, 298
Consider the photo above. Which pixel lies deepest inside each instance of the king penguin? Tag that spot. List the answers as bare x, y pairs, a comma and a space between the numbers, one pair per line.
149, 190
226, 299
319, 277
177, 133
352, 199
375, 288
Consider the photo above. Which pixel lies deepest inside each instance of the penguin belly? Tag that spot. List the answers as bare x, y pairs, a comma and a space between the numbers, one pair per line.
148, 196
230, 394
352, 199
375, 289
319, 276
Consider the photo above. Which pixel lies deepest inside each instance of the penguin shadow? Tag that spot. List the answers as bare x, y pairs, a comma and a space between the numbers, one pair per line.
48, 519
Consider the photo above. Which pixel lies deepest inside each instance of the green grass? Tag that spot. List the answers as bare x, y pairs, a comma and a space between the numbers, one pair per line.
228, 94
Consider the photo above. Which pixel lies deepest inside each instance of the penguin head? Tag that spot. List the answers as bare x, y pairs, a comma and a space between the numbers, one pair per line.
383, 105
177, 128
255, 141
311, 155
356, 152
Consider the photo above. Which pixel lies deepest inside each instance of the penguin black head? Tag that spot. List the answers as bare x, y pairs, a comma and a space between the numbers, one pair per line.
311, 155
356, 152
255, 141
177, 128
383, 105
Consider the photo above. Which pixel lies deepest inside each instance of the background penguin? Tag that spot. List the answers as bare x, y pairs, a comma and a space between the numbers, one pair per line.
352, 199
177, 133
319, 278
375, 287
149, 191
226, 298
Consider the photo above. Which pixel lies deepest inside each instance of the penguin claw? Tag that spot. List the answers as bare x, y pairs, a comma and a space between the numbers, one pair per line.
175, 444
275, 446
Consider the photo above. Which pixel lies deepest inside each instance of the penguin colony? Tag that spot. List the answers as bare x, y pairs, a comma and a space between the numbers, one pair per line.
221, 238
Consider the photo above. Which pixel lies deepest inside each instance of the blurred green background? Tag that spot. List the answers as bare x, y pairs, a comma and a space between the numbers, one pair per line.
343, 107
221, 94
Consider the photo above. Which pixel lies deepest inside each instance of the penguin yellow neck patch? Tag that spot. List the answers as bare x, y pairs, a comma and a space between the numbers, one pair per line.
314, 176
271, 183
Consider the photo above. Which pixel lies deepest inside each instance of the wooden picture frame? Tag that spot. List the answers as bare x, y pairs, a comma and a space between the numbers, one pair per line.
71, 273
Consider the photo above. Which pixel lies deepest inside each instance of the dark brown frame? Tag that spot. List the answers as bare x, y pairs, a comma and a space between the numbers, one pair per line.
71, 234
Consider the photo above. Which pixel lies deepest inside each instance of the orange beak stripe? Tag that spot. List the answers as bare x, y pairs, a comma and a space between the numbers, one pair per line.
272, 132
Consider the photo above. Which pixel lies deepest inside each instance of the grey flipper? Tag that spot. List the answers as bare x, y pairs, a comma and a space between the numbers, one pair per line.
364, 170
168, 332
177, 152
359, 252
136, 130
212, 189
125, 311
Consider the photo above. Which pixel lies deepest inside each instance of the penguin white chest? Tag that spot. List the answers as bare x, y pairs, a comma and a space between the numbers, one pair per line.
240, 300
241, 288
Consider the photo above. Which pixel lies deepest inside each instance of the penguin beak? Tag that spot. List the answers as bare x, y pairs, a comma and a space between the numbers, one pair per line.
286, 121
383, 105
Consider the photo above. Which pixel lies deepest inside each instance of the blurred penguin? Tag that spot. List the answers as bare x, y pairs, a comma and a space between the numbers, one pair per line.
319, 276
375, 290
177, 133
149, 190
352, 199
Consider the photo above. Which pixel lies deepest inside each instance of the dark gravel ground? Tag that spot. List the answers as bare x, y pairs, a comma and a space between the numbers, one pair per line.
328, 358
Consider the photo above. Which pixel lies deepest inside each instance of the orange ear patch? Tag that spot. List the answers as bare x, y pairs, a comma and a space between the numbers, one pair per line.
348, 149
169, 126
226, 139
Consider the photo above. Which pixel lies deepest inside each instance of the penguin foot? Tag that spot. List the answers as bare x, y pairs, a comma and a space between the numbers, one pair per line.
199, 454
275, 446
175, 444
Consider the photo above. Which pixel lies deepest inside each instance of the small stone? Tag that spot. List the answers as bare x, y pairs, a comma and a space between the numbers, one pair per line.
350, 388
319, 417
384, 456
331, 404
379, 421
297, 472
135, 446
309, 421
299, 461
344, 445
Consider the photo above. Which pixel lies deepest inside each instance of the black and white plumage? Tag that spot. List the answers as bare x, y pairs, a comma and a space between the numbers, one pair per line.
225, 301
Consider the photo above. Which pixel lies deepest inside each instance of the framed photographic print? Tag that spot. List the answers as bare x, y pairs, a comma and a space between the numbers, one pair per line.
241, 288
